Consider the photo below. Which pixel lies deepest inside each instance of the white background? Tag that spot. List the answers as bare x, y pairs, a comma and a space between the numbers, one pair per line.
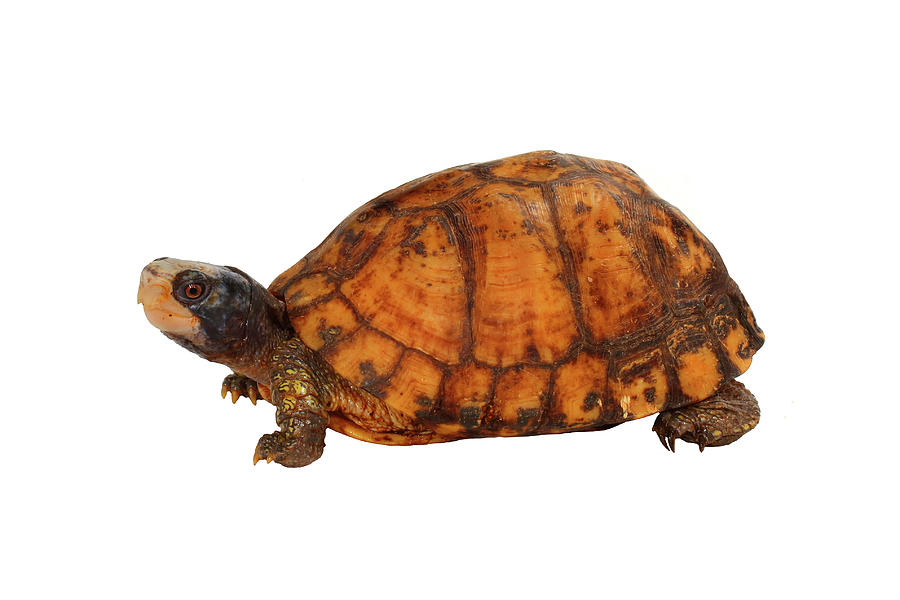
242, 133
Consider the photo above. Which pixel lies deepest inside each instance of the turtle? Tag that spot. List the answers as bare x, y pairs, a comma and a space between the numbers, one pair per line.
540, 293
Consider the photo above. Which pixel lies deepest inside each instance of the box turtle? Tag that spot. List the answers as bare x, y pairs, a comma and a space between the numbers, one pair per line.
541, 293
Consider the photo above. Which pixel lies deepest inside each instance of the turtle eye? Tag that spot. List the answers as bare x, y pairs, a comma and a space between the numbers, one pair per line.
192, 290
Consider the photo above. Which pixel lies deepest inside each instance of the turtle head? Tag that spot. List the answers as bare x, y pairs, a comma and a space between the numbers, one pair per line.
220, 313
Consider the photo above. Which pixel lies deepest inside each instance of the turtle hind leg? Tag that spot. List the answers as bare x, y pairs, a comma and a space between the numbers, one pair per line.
717, 421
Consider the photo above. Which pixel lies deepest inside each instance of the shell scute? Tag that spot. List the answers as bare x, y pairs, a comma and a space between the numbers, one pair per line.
731, 334
412, 287
690, 263
699, 369
430, 190
580, 390
639, 385
350, 244
366, 358
324, 323
414, 387
467, 392
522, 309
617, 292
308, 289
277, 286
519, 398
617, 176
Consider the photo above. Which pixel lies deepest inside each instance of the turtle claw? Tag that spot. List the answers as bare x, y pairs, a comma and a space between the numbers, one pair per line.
238, 386
667, 441
662, 439
256, 458
299, 448
270, 447
670, 426
717, 421
269, 459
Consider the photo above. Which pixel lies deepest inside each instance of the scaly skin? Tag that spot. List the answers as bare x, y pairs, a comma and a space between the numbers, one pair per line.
716, 421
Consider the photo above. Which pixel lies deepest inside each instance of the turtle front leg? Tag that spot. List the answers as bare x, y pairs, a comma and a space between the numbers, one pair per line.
300, 413
717, 421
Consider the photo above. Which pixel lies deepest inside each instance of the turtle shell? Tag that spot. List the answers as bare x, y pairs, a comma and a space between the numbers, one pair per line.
539, 293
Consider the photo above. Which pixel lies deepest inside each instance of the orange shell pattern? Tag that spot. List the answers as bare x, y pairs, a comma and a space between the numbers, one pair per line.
539, 293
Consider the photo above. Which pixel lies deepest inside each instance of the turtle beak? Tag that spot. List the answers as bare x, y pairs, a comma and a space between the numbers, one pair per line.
161, 309
147, 274
152, 278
